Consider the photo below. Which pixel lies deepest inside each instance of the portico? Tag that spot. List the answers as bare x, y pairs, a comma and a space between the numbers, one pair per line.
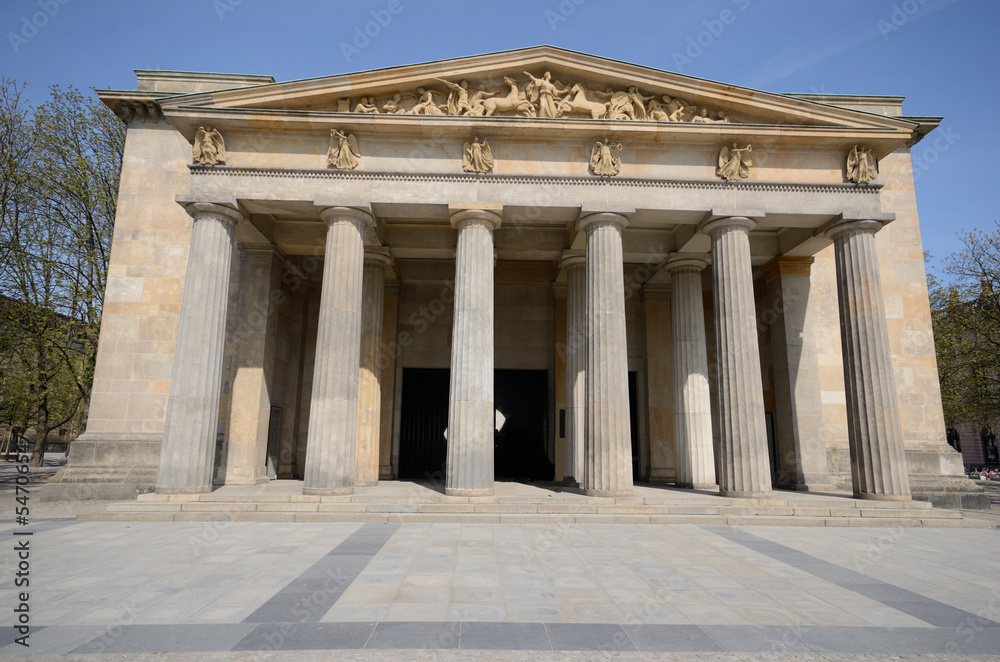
694, 310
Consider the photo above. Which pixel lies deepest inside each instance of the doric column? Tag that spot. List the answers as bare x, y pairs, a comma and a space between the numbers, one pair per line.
692, 399
471, 420
878, 462
608, 435
188, 452
333, 412
576, 366
369, 376
253, 345
744, 463
801, 443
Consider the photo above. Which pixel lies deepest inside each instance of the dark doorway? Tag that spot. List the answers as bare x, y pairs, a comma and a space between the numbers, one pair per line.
521, 444
633, 415
422, 421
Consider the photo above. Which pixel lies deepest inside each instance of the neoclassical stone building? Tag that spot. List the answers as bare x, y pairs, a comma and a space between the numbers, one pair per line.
535, 264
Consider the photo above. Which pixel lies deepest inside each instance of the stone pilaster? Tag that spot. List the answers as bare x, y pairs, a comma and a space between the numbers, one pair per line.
253, 355
878, 461
387, 364
801, 443
608, 437
187, 454
692, 399
471, 420
576, 367
333, 413
659, 391
744, 467
370, 374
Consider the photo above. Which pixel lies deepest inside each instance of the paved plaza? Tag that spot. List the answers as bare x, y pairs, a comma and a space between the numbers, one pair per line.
374, 590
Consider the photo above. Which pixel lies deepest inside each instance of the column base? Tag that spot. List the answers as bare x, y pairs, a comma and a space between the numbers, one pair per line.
198, 489
327, 491
883, 497
697, 486
461, 491
745, 495
246, 476
608, 493
569, 481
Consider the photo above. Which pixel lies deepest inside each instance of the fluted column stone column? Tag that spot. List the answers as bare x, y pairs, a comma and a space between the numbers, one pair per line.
692, 398
878, 461
369, 376
187, 455
471, 419
333, 413
607, 432
745, 469
576, 367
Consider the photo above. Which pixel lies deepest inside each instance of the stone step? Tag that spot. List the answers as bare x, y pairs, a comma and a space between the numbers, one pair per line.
273, 515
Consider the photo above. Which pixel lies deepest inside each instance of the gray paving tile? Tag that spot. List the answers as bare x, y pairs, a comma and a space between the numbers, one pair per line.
505, 636
757, 639
588, 637
671, 638
168, 638
415, 635
306, 636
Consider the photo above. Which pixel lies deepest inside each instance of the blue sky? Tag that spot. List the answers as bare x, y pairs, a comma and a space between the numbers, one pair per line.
943, 55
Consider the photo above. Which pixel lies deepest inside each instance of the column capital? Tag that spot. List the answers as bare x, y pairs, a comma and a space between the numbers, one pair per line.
463, 217
590, 221
849, 226
787, 265
377, 256
573, 259
359, 217
212, 210
679, 264
743, 222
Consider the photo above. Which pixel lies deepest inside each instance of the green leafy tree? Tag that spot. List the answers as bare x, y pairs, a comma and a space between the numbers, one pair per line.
965, 311
61, 179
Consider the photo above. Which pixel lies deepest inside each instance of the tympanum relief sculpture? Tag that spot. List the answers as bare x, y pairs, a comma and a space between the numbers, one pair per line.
734, 163
539, 96
209, 148
862, 166
477, 157
343, 153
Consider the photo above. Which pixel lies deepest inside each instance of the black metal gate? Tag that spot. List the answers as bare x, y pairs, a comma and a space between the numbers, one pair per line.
422, 422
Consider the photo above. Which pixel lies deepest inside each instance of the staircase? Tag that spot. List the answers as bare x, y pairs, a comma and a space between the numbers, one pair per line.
515, 503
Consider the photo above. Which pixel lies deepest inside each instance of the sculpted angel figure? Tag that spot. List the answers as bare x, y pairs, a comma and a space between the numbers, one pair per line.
343, 153
605, 158
477, 156
549, 94
458, 98
209, 148
734, 163
862, 167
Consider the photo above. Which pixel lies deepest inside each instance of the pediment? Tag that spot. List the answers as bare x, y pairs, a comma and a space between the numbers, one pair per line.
584, 87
